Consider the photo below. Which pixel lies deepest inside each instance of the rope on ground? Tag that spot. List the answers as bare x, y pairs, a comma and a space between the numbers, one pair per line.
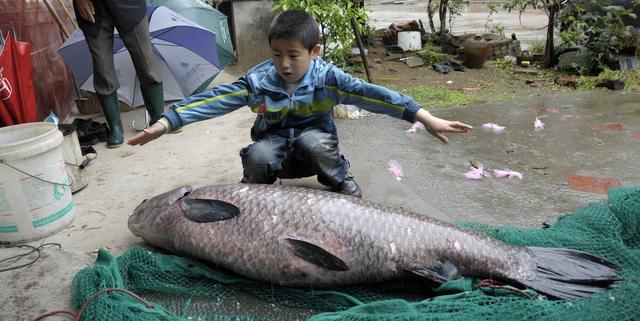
491, 284
18, 257
76, 317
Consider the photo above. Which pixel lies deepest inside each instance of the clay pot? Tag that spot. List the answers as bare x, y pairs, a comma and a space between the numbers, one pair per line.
476, 51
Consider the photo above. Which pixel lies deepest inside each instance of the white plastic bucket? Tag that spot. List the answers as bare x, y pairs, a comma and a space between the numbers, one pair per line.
35, 193
409, 40
72, 155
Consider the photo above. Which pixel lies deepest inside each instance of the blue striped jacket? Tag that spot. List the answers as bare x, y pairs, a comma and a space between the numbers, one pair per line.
310, 106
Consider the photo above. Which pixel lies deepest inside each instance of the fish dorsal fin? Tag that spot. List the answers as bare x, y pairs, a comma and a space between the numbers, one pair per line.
316, 255
445, 272
208, 210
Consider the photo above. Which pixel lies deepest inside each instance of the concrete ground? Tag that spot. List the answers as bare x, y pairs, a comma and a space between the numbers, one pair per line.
591, 140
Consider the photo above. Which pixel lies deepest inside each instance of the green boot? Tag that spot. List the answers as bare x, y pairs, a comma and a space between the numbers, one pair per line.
154, 101
111, 110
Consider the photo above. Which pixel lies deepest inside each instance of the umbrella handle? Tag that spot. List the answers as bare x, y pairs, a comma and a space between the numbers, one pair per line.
146, 122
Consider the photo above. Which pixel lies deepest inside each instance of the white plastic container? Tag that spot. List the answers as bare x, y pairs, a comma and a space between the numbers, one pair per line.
35, 193
409, 40
72, 155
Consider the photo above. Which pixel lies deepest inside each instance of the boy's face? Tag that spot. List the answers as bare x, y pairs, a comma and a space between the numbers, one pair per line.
291, 58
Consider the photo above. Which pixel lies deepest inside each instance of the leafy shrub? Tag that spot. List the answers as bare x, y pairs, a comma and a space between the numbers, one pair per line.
334, 18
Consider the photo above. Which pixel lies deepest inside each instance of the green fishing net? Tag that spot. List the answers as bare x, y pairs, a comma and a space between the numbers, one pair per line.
180, 289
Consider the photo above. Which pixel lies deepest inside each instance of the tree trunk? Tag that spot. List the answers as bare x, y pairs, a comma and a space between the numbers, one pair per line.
430, 14
442, 15
549, 59
324, 40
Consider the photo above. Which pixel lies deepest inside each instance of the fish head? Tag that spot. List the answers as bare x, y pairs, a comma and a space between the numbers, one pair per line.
147, 220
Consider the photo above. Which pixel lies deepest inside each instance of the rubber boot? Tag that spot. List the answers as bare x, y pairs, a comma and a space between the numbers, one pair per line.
111, 110
154, 101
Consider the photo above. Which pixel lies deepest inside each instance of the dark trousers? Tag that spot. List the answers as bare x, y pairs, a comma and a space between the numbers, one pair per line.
313, 152
138, 43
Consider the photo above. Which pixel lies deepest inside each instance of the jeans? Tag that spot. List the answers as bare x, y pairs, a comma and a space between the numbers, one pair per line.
313, 152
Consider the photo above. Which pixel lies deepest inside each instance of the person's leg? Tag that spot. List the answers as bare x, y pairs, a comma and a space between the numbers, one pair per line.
319, 150
138, 42
262, 160
105, 81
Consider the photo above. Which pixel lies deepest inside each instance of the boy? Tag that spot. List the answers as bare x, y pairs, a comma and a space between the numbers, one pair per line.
293, 93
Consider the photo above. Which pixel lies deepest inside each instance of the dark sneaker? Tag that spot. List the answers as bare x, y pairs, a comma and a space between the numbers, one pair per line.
348, 187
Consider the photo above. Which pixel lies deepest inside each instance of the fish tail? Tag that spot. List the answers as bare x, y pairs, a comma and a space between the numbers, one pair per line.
570, 274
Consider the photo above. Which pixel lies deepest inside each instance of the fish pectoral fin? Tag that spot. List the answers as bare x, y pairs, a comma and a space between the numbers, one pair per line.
441, 274
316, 255
208, 210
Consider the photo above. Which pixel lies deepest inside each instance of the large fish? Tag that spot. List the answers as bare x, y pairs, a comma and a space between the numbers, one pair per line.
300, 236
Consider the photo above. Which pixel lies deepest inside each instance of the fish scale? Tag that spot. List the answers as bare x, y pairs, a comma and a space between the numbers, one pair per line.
301, 236
365, 231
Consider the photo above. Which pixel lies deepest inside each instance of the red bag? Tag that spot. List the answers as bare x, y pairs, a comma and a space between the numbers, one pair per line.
17, 97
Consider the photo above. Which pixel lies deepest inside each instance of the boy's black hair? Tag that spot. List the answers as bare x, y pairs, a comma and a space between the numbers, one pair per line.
297, 25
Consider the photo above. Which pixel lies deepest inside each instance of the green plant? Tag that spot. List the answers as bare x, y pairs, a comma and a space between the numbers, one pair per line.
435, 96
586, 83
497, 29
602, 31
334, 18
537, 47
630, 78
455, 9
502, 64
430, 54
354, 67
493, 28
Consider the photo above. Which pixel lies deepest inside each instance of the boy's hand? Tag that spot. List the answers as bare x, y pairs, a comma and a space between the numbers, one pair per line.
86, 10
147, 135
436, 126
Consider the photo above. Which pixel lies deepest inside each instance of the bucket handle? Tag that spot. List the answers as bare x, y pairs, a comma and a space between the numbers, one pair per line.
2, 161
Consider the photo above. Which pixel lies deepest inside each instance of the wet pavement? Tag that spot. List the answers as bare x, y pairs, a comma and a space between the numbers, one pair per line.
589, 142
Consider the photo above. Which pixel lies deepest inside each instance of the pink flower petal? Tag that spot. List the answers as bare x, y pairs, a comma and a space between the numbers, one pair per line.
538, 124
475, 173
396, 169
415, 127
457, 246
493, 127
571, 117
507, 174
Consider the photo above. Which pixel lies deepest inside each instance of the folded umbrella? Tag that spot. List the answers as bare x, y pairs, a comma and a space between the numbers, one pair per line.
17, 97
